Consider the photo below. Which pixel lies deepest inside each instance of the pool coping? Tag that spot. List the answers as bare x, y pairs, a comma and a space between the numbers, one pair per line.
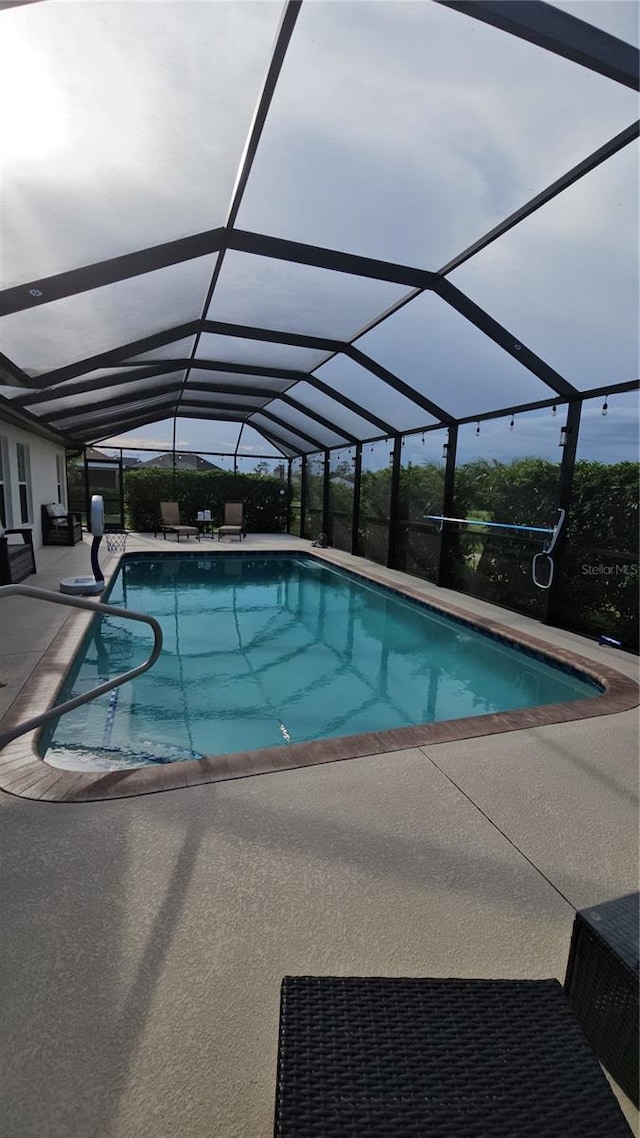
23, 772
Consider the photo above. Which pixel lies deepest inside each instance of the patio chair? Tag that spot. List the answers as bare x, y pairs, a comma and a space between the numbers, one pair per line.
170, 522
17, 559
233, 525
58, 526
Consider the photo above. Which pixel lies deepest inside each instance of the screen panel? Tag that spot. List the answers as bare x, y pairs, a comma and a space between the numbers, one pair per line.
17, 392
598, 587
157, 436
367, 390
208, 436
251, 442
288, 438
431, 346
237, 379
342, 417
416, 129
219, 399
213, 438
125, 135
341, 497
422, 469
609, 429
99, 433
266, 293
156, 385
77, 418
314, 495
507, 473
565, 281
260, 353
55, 334
177, 350
97, 374
375, 500
295, 512
298, 421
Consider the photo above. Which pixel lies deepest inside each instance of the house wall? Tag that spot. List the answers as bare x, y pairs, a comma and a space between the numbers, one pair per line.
43, 476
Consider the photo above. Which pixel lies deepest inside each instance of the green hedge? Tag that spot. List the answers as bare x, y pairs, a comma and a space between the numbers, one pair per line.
265, 499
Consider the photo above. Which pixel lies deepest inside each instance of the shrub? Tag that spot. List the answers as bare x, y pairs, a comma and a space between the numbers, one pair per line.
265, 499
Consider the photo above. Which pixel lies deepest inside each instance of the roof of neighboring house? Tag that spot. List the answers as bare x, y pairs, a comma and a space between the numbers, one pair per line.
183, 462
92, 454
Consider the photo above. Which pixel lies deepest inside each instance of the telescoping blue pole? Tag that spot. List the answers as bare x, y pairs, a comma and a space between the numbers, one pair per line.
480, 522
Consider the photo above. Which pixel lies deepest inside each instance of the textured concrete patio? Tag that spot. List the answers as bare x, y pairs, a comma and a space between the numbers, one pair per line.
144, 940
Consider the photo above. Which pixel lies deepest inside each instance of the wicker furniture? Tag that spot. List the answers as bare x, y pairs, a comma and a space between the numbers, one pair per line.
602, 985
17, 559
436, 1058
233, 524
58, 526
170, 522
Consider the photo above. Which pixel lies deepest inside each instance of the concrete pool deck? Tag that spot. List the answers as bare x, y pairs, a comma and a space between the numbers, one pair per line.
144, 939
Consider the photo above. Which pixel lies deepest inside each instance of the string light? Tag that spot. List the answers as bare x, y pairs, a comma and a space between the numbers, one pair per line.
554, 410
605, 405
422, 439
513, 422
478, 427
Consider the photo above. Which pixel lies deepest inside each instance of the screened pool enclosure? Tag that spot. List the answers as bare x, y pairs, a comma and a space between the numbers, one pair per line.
387, 250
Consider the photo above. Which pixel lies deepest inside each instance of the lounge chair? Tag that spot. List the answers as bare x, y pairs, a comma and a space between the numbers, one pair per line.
233, 525
170, 522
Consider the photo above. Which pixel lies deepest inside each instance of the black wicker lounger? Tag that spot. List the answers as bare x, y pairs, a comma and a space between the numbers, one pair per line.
373, 1057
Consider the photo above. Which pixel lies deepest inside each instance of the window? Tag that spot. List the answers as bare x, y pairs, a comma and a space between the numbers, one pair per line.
61, 480
5, 485
24, 482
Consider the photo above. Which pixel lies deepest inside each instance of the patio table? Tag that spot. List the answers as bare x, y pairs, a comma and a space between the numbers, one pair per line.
436, 1058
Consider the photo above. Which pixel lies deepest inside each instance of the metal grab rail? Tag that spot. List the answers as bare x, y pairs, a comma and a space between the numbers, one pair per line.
92, 606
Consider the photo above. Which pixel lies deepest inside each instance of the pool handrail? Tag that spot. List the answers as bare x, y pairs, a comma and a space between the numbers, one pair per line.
77, 701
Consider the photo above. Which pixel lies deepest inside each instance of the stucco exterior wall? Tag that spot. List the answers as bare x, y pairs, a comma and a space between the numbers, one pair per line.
44, 481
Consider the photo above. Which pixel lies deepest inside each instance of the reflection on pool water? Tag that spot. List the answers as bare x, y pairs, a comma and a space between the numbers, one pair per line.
272, 649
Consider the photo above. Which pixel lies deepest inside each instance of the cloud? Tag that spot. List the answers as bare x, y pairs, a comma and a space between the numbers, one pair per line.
404, 131
149, 132
565, 281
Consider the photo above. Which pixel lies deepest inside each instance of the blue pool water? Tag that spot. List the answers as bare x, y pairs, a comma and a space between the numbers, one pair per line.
265, 650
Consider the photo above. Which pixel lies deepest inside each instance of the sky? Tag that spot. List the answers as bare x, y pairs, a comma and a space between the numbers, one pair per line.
399, 130
604, 438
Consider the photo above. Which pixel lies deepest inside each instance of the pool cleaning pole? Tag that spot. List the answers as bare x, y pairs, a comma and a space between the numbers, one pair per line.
494, 525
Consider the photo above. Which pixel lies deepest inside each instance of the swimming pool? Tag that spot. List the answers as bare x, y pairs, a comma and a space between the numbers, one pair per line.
279, 649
